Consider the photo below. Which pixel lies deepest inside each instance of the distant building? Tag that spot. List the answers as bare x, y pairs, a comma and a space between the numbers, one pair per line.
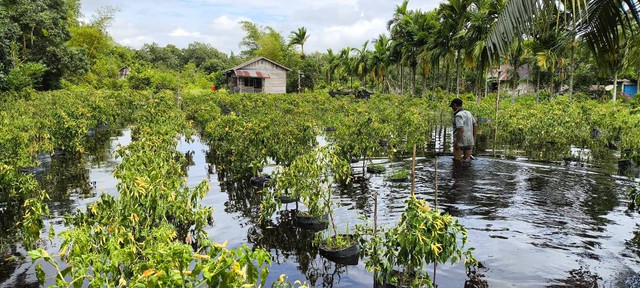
124, 72
525, 83
259, 75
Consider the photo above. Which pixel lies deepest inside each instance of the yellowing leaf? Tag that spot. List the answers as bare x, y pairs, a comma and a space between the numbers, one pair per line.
221, 245
147, 272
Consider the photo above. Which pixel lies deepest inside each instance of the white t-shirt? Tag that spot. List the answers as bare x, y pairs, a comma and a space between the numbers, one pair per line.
463, 119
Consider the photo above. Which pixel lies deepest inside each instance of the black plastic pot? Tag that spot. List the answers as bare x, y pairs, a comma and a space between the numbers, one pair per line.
284, 199
260, 182
374, 170
344, 256
383, 143
330, 129
312, 223
383, 284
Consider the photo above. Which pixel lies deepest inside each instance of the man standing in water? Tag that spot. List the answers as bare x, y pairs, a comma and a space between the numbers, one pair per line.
464, 131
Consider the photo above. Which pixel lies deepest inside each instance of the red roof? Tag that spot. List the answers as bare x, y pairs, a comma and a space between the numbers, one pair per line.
252, 73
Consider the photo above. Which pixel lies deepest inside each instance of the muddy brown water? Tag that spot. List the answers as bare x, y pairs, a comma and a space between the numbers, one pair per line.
531, 225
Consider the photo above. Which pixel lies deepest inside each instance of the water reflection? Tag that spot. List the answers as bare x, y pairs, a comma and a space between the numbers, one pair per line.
532, 225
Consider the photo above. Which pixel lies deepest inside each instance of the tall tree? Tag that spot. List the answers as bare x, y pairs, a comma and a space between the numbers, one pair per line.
299, 38
38, 32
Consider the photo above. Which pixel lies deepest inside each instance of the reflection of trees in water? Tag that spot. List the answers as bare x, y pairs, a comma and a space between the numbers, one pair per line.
243, 199
633, 244
578, 278
68, 176
10, 214
460, 186
288, 242
285, 239
98, 146
359, 194
601, 198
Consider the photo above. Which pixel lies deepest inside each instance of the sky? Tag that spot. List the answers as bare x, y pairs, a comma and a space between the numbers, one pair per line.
330, 23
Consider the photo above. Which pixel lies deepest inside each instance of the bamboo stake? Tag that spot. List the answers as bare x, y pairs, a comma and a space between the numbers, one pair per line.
436, 180
435, 264
413, 173
375, 213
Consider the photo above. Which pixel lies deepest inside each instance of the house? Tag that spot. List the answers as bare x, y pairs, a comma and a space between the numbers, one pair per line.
124, 72
627, 88
259, 75
525, 85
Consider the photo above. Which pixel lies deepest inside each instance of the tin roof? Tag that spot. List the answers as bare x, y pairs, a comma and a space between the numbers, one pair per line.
252, 73
256, 60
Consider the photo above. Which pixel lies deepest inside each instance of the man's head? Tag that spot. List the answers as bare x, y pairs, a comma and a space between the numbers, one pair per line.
456, 104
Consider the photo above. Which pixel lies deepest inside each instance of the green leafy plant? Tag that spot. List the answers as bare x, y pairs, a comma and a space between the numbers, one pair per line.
423, 236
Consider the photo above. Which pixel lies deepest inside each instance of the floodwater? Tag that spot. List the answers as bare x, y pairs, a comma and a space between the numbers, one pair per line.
531, 225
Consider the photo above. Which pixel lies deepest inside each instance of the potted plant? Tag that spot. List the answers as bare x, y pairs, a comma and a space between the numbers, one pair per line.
307, 179
375, 168
400, 175
398, 256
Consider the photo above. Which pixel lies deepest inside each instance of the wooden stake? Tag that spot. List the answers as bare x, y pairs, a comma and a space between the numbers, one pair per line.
436, 174
435, 264
375, 213
413, 173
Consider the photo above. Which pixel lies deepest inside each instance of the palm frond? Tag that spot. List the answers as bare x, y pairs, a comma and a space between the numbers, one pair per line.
600, 22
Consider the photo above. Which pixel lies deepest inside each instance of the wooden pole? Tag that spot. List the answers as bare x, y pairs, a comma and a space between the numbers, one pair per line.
375, 213
413, 173
435, 264
495, 120
436, 180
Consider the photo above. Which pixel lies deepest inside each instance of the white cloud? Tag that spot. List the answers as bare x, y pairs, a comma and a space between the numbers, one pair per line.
354, 35
183, 33
330, 23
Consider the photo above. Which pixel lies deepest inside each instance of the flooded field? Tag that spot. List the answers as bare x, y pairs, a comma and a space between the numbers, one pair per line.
531, 225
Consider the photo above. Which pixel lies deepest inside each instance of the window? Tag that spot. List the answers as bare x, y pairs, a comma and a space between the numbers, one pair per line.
253, 82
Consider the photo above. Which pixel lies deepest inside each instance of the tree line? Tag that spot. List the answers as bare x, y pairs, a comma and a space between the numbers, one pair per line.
457, 48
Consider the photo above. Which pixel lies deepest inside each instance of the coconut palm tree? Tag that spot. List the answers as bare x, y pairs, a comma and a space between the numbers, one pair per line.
454, 19
380, 58
299, 38
602, 24
361, 62
398, 33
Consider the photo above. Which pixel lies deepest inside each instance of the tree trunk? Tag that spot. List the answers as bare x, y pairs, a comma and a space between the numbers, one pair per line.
486, 84
424, 84
401, 78
615, 86
446, 77
571, 71
538, 89
458, 74
413, 79
551, 90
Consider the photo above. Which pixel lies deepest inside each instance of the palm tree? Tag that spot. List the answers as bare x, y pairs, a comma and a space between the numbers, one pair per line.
454, 18
398, 38
332, 64
602, 24
299, 38
482, 17
346, 63
361, 62
380, 58
597, 20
